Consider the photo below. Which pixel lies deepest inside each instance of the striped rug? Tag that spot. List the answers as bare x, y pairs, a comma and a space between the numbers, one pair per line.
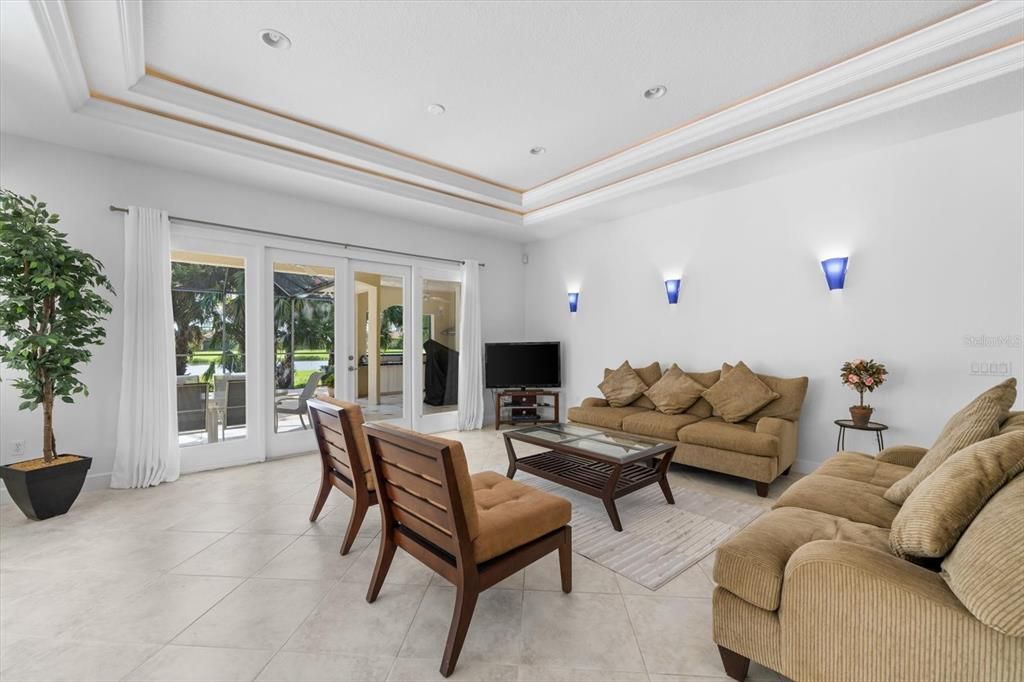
659, 540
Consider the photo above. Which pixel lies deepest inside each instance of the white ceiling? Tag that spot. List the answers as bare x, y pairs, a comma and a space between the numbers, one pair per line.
951, 73
568, 76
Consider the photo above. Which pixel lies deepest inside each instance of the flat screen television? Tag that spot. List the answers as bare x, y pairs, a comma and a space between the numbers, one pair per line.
523, 365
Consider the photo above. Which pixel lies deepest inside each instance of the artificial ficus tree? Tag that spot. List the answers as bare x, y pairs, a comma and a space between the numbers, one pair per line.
51, 311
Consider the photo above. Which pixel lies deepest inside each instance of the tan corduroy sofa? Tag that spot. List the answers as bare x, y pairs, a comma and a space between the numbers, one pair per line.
814, 589
760, 448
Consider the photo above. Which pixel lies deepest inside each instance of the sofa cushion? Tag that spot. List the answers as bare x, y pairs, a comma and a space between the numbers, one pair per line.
791, 396
752, 563
649, 375
1015, 422
622, 386
674, 391
854, 500
605, 417
854, 466
741, 437
935, 515
986, 568
738, 394
512, 514
979, 420
702, 408
656, 424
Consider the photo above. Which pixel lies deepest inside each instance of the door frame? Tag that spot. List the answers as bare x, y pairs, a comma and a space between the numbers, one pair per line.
252, 447
440, 421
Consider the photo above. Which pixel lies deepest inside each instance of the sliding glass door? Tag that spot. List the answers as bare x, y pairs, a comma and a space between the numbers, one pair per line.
438, 299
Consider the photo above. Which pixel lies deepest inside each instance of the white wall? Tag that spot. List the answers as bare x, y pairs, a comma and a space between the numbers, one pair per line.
80, 185
934, 232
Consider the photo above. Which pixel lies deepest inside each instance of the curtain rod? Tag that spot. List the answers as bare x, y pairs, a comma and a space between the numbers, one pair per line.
267, 233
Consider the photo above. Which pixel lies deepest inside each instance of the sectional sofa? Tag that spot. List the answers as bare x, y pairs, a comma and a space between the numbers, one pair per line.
759, 448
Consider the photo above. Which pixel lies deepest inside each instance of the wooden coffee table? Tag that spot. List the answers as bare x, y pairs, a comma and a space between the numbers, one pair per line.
603, 465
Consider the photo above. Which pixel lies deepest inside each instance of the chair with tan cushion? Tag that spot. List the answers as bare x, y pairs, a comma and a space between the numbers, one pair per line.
474, 531
344, 458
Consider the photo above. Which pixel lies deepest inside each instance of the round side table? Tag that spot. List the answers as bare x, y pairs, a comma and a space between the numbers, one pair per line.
844, 424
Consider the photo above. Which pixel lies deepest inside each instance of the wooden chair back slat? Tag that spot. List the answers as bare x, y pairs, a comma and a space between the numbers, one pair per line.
414, 483
425, 530
426, 510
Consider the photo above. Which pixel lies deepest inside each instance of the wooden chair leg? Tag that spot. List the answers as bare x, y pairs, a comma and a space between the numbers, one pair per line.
762, 488
786, 472
736, 666
565, 560
380, 570
321, 497
359, 508
465, 603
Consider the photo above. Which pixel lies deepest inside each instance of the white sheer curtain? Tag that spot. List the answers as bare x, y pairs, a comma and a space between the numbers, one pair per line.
147, 448
471, 364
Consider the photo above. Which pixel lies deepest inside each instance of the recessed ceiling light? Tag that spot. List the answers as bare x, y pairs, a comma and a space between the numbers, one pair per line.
435, 109
275, 39
657, 92
537, 151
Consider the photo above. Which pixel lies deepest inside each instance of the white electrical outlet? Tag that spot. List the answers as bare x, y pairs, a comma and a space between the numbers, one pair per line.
19, 447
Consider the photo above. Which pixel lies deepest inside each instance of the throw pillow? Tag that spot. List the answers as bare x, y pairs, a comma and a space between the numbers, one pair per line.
939, 510
649, 375
986, 568
791, 396
674, 391
739, 394
978, 420
622, 386
702, 408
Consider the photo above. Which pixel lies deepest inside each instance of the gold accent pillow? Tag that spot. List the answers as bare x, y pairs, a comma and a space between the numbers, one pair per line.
622, 386
978, 420
738, 394
939, 509
986, 568
791, 396
674, 391
649, 375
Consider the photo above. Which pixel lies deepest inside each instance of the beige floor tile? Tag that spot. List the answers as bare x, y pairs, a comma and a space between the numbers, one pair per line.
201, 664
335, 521
494, 632
587, 576
222, 518
294, 666
544, 673
579, 630
422, 669
346, 623
513, 582
238, 554
155, 613
259, 614
690, 583
288, 519
58, 660
675, 635
404, 570
608, 676
313, 557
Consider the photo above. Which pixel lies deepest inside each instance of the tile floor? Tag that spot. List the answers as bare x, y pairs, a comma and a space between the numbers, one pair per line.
219, 576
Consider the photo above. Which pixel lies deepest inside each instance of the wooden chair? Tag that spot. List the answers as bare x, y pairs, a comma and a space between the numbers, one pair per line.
338, 426
473, 531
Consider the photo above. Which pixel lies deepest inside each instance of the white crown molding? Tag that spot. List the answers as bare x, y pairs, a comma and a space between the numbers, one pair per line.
963, 74
133, 51
941, 36
351, 149
197, 134
52, 18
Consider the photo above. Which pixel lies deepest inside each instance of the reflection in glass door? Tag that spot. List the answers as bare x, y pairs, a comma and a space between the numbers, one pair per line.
379, 358
304, 335
440, 297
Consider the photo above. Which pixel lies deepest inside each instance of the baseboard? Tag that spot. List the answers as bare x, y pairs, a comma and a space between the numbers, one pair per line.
96, 481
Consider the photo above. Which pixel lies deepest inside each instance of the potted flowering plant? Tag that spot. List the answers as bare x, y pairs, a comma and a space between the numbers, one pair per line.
861, 376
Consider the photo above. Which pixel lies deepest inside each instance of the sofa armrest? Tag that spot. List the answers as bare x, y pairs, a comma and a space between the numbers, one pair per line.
594, 402
904, 455
850, 612
787, 433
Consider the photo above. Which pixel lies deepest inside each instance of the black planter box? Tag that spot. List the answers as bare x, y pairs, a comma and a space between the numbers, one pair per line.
46, 492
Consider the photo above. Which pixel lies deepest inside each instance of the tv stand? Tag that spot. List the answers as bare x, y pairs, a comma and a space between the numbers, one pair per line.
525, 407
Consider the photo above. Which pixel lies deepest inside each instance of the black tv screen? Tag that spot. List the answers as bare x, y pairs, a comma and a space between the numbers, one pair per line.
522, 365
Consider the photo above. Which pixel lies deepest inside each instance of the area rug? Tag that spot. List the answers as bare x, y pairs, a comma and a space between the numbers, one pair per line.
659, 540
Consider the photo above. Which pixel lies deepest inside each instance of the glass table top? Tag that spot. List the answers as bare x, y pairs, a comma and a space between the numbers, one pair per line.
604, 445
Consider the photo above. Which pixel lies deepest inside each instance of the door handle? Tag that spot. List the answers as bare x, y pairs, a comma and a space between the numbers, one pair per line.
351, 368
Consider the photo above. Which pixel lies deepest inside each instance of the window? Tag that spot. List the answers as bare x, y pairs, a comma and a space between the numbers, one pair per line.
440, 345
208, 303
